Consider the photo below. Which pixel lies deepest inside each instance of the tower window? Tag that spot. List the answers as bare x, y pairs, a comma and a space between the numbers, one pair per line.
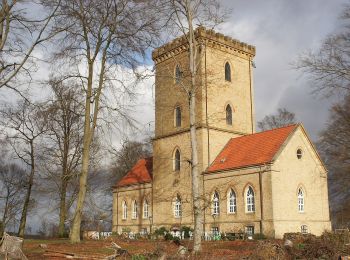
227, 72
216, 203
228, 115
177, 160
250, 200
300, 200
177, 116
178, 74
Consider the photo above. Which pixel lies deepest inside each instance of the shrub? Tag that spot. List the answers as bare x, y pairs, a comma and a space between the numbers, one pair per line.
138, 257
187, 231
160, 231
168, 236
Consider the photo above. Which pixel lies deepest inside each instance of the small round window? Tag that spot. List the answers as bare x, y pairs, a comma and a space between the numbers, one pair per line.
299, 153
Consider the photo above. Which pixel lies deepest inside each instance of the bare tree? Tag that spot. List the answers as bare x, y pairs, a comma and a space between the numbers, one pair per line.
12, 183
20, 34
24, 124
104, 38
282, 118
63, 150
185, 15
334, 145
329, 67
126, 157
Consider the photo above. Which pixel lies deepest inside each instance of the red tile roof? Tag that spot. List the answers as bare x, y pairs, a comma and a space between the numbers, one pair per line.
140, 173
253, 149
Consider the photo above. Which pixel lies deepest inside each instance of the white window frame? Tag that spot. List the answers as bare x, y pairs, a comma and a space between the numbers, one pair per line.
134, 210
250, 200
249, 230
177, 208
301, 200
232, 202
125, 210
216, 203
145, 209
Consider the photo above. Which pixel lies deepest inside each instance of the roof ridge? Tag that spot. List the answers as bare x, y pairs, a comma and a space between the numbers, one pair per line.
270, 130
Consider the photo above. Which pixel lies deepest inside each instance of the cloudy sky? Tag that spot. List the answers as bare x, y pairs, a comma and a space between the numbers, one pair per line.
282, 30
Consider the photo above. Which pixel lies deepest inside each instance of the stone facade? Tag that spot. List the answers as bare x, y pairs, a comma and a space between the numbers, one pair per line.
274, 184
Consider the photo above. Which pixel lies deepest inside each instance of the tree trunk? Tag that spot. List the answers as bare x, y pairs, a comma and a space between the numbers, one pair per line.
63, 207
196, 181
88, 133
22, 224
196, 175
64, 183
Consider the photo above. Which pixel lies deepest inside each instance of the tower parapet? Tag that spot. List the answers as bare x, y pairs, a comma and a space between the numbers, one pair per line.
212, 38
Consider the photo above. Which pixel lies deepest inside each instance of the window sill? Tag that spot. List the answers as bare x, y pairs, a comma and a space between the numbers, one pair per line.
231, 213
250, 212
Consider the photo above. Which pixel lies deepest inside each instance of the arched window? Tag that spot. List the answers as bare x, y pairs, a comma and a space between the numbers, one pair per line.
300, 200
227, 72
125, 210
178, 74
145, 209
178, 116
216, 203
177, 160
228, 115
177, 207
250, 200
134, 210
232, 205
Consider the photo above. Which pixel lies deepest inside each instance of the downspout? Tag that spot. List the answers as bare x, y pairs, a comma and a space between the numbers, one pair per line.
251, 95
261, 202
117, 212
206, 117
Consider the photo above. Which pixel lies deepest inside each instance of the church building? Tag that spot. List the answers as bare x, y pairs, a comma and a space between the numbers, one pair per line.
269, 182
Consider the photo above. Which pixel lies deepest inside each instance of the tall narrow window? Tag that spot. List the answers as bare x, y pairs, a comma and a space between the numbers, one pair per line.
232, 202
177, 160
228, 115
178, 116
178, 74
250, 200
177, 207
227, 72
125, 210
300, 200
134, 210
216, 203
145, 209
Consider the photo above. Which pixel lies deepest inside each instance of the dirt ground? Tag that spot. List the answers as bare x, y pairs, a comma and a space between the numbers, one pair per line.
91, 249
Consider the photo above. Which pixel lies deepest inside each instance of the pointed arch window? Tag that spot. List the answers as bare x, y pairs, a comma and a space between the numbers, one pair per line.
134, 210
228, 115
177, 207
232, 202
250, 200
177, 160
227, 71
301, 200
178, 116
145, 209
216, 203
178, 74
125, 210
